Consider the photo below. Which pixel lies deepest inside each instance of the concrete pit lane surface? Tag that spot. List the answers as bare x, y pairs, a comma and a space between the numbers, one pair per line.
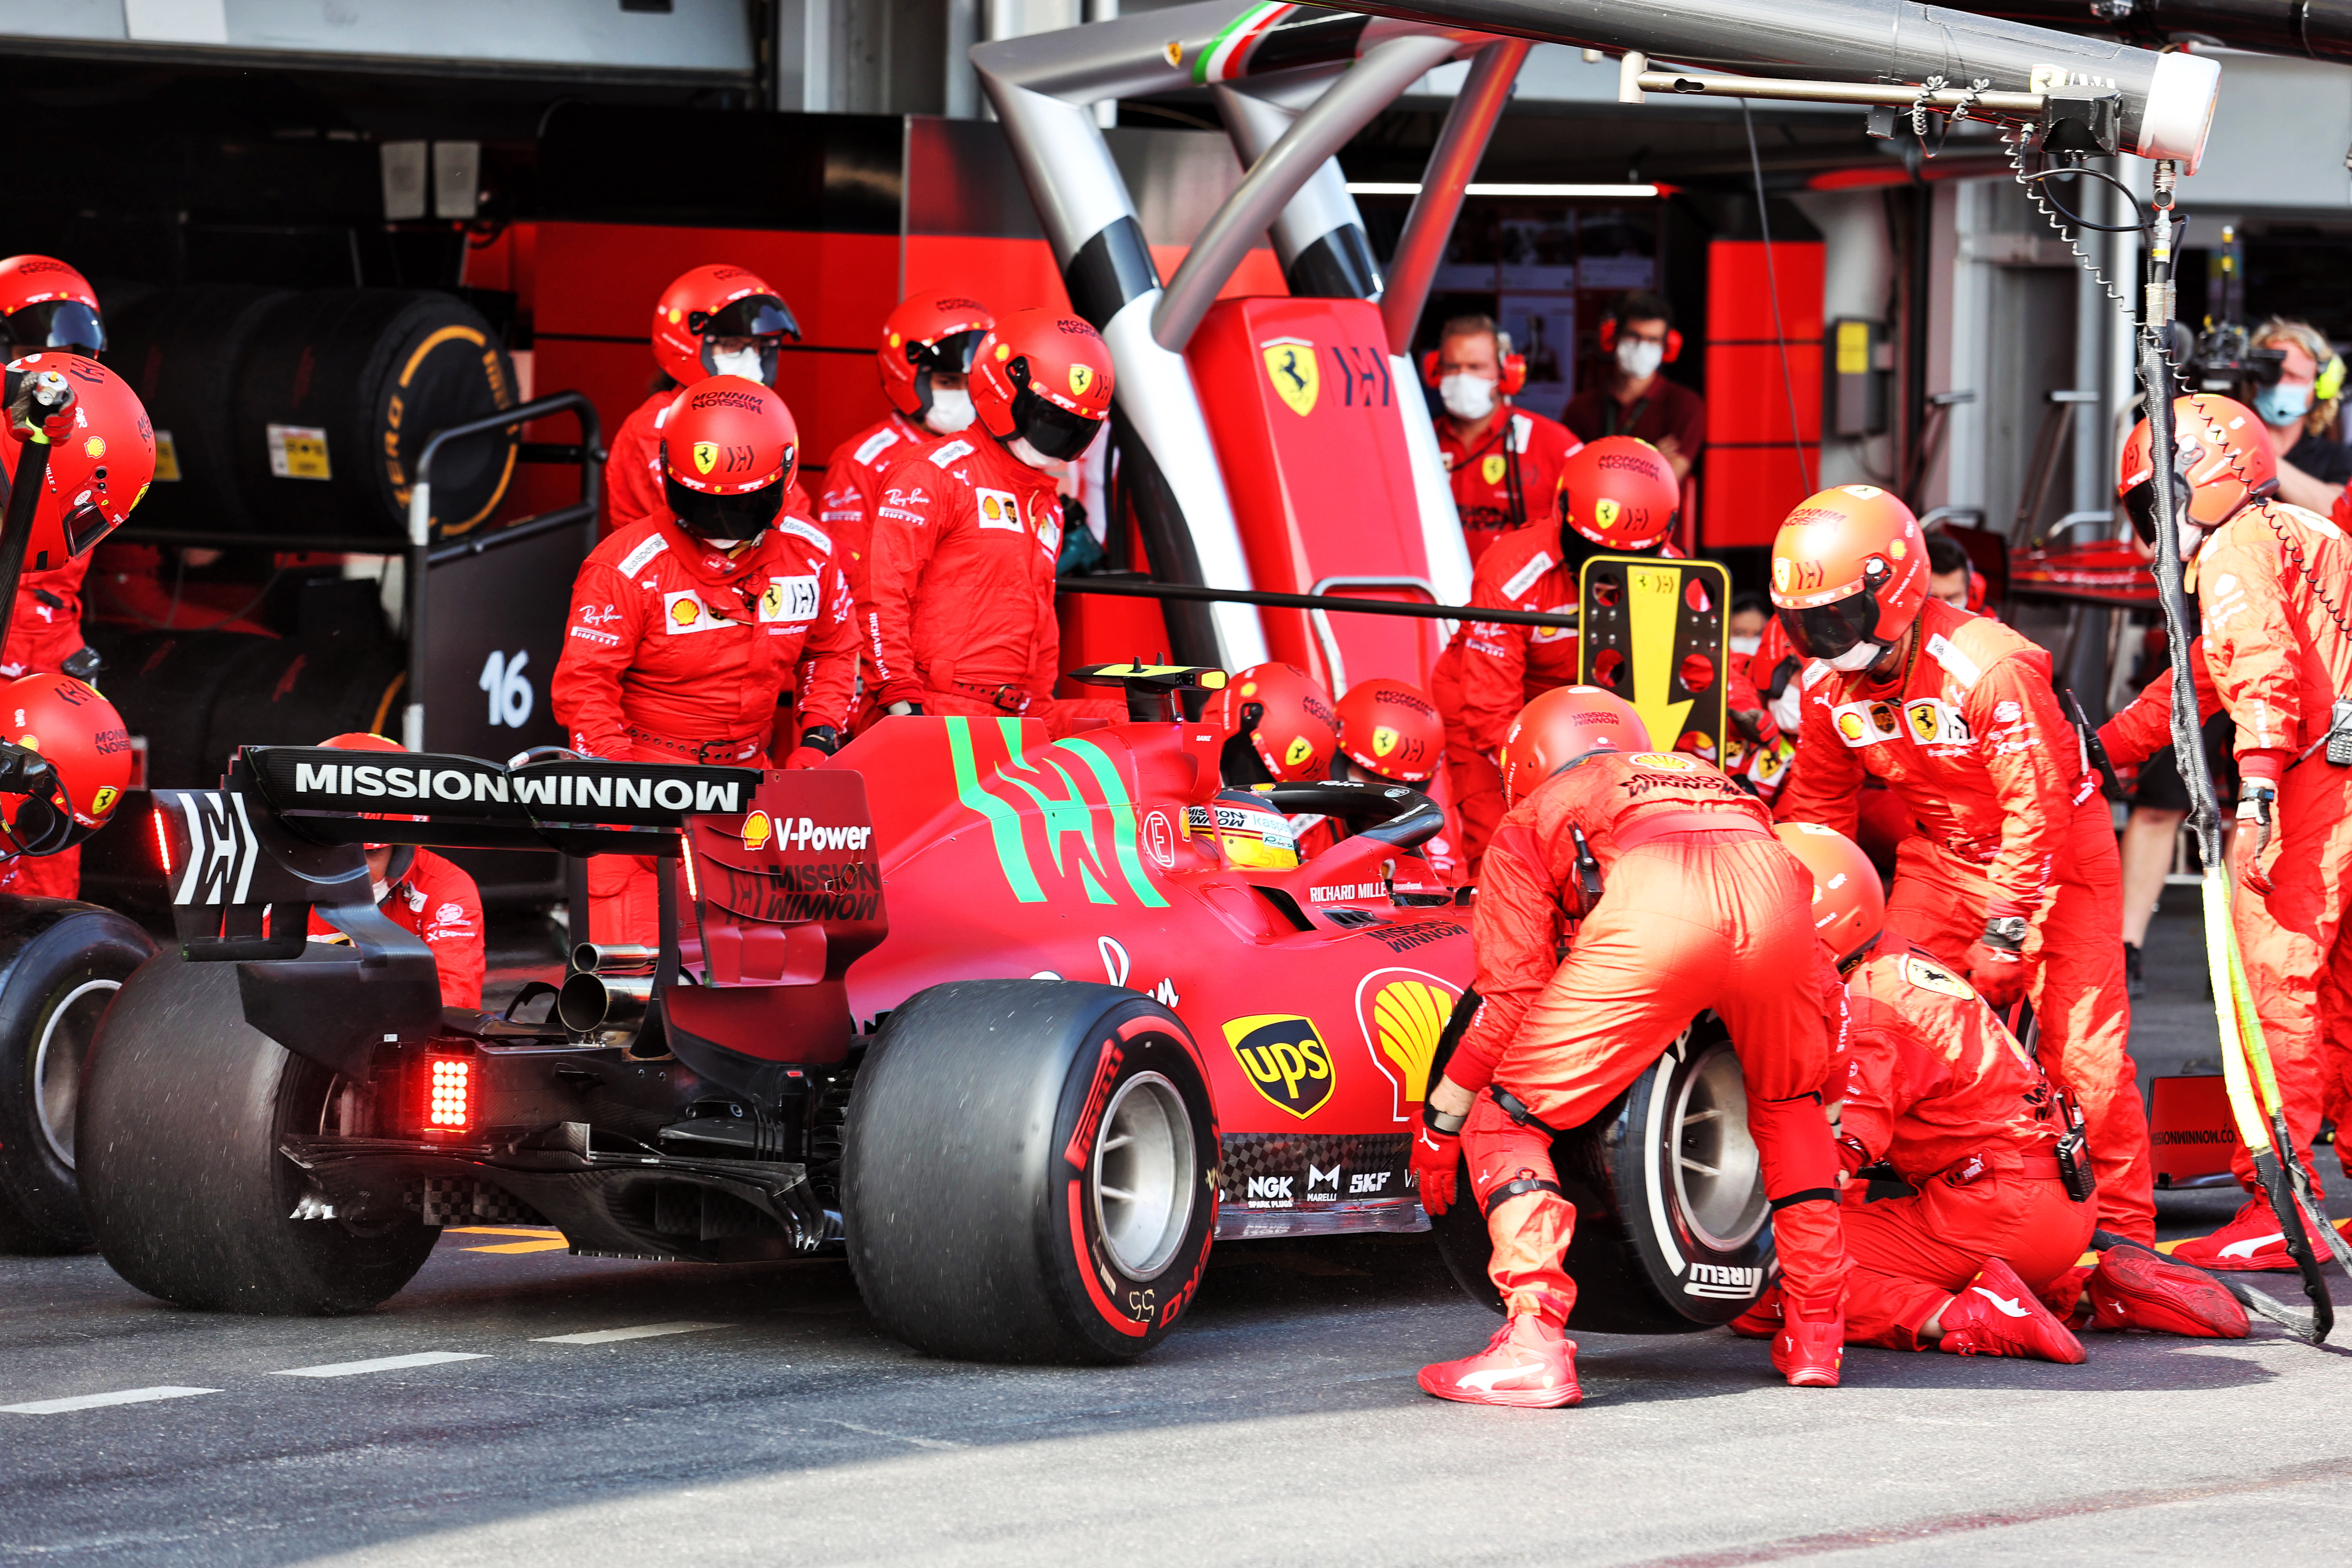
516, 1404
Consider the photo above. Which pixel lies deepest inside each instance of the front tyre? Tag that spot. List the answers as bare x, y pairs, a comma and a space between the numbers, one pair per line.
1030, 1172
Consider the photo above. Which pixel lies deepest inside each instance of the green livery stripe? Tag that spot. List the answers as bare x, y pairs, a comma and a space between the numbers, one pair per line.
1122, 817
1003, 822
1225, 39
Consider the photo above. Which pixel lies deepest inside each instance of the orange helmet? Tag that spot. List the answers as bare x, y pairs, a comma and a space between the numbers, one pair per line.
1295, 730
729, 450
1849, 575
45, 304
368, 741
96, 475
1391, 729
1620, 492
928, 335
1045, 378
1849, 900
719, 302
78, 734
1563, 725
2222, 461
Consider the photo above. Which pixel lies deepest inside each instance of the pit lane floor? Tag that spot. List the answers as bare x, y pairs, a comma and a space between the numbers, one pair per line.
518, 1404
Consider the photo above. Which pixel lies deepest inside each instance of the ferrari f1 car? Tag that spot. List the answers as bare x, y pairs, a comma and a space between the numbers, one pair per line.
1083, 1044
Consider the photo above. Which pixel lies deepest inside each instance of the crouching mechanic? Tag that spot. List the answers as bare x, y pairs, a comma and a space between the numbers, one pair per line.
1680, 900
684, 628
959, 607
2012, 880
1973, 1262
421, 892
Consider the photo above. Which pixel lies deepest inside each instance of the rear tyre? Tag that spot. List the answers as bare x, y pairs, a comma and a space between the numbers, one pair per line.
1670, 1232
182, 1107
63, 964
1030, 1172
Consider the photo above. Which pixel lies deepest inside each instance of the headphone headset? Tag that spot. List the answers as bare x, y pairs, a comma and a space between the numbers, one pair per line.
2329, 387
1609, 340
1514, 366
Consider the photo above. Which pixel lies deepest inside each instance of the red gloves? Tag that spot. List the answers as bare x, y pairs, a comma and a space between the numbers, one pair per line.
1998, 973
1436, 1161
2253, 851
806, 757
817, 744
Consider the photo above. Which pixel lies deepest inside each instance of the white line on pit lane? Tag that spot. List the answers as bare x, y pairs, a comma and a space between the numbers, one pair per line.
93, 1400
382, 1363
611, 1336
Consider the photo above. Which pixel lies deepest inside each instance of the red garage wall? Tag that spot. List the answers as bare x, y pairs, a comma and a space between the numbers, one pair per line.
1753, 474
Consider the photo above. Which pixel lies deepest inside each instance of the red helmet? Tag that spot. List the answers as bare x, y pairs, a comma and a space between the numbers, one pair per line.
718, 301
1849, 575
928, 335
1045, 378
729, 451
2222, 462
1849, 900
1391, 727
368, 741
1620, 492
1295, 730
45, 304
80, 735
1563, 725
96, 475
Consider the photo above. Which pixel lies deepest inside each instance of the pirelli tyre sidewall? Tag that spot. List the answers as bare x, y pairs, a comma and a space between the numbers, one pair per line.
1030, 1172
1661, 1245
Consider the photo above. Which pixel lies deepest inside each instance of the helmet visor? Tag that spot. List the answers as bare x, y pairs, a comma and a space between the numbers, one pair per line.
65, 324
757, 316
2139, 505
85, 525
1829, 631
1052, 429
734, 517
951, 354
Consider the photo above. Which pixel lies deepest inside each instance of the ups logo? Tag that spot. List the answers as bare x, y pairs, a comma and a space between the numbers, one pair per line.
1286, 1059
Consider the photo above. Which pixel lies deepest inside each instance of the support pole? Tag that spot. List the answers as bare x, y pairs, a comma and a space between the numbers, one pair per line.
1469, 126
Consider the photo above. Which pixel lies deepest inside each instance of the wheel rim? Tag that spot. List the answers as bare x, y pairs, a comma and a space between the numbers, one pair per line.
66, 1035
1718, 1181
1143, 1176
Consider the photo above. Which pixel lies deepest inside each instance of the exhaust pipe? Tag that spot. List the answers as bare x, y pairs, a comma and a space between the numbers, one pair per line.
589, 1002
613, 958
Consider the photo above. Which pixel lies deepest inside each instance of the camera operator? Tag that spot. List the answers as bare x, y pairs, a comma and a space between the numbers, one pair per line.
2299, 411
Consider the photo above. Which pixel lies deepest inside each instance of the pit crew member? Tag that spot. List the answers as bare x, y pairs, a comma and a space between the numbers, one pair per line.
685, 627
47, 306
1389, 733
2273, 585
1503, 462
716, 319
1679, 899
422, 893
1633, 398
2011, 879
62, 772
957, 615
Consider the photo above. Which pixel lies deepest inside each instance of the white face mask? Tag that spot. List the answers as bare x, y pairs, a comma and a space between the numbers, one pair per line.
1467, 396
1858, 657
949, 411
745, 363
1020, 447
1745, 644
1638, 357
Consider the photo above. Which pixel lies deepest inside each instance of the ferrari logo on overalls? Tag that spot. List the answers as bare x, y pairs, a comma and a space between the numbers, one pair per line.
706, 456
1493, 469
1290, 365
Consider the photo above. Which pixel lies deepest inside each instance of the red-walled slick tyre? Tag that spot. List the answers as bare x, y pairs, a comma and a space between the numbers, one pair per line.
1030, 1172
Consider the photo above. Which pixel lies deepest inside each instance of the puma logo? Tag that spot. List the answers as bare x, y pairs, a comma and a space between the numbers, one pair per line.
2249, 1247
2003, 1302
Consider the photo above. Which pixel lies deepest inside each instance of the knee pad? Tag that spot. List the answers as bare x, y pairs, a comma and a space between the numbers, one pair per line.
1794, 1147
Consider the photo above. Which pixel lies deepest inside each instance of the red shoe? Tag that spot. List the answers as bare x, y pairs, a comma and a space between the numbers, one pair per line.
2068, 1297
1810, 1349
1762, 1320
1995, 1314
2136, 1289
1529, 1364
2250, 1242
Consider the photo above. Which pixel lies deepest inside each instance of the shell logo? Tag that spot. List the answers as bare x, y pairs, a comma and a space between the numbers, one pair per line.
757, 830
1896, 548
1849, 726
706, 456
1666, 761
95, 445
1408, 1017
1384, 740
30, 742
991, 508
894, 340
686, 612
1298, 750
1249, 689
1003, 354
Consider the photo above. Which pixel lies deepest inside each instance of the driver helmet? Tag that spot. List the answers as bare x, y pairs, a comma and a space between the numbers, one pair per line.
1253, 834
931, 335
83, 738
1392, 730
718, 302
1621, 494
2222, 462
1041, 384
1565, 725
729, 451
1849, 900
1849, 575
45, 304
1294, 732
96, 474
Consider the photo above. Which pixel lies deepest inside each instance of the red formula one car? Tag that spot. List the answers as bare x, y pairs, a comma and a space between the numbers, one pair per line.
1001, 1017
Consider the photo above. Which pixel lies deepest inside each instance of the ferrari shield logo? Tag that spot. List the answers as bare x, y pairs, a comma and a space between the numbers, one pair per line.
1290, 365
1286, 1059
706, 456
1384, 740
1605, 512
103, 801
1301, 749
1493, 467
1081, 378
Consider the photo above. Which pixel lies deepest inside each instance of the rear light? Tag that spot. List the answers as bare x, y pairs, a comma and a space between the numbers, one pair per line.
449, 1094
162, 840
